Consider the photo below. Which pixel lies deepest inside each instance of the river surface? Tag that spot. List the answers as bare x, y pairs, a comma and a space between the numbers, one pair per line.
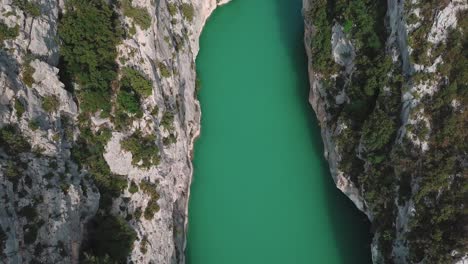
261, 191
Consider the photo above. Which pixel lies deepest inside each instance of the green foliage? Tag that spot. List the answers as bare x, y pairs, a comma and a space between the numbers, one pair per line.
27, 74
50, 103
348, 25
34, 124
19, 107
321, 40
12, 140
187, 11
121, 120
133, 187
134, 80
128, 101
378, 130
137, 213
164, 70
89, 34
171, 139
12, 172
7, 32
172, 8
152, 207
30, 8
367, 15
441, 197
167, 120
139, 15
110, 239
145, 152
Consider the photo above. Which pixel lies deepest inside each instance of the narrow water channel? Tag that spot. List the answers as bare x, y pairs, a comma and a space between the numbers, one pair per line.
262, 192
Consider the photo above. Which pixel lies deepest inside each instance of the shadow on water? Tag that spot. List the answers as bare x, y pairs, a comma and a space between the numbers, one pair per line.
351, 227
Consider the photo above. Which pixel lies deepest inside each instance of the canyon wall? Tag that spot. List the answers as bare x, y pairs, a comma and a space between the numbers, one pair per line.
386, 86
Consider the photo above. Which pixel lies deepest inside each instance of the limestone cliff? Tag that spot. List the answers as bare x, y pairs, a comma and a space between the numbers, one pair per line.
56, 157
388, 89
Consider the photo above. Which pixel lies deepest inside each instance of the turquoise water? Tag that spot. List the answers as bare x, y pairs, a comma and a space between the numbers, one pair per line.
261, 191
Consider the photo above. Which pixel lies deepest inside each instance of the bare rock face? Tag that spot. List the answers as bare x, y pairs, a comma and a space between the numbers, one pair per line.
46, 197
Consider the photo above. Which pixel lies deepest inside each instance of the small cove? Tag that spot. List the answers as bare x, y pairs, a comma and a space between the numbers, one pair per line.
261, 191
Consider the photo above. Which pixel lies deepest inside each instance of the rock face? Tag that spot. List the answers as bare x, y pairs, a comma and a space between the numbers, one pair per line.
395, 175
47, 198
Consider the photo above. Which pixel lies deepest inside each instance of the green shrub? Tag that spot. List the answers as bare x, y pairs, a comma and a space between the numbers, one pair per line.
19, 107
12, 171
133, 187
152, 207
34, 124
128, 101
378, 130
50, 103
167, 120
89, 33
187, 11
155, 111
172, 8
171, 139
121, 120
321, 48
137, 213
139, 15
164, 70
12, 140
109, 237
145, 152
7, 32
134, 80
150, 189
30, 8
27, 74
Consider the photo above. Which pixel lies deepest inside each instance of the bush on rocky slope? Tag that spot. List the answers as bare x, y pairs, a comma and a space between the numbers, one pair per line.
89, 32
110, 240
7, 32
144, 151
